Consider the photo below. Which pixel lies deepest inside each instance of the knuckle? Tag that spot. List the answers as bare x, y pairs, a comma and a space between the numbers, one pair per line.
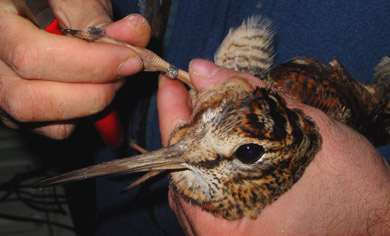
17, 104
25, 61
57, 131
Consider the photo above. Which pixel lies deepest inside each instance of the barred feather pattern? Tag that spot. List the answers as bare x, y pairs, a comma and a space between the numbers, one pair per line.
248, 48
382, 70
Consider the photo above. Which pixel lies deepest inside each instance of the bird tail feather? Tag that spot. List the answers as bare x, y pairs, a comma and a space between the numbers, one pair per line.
248, 48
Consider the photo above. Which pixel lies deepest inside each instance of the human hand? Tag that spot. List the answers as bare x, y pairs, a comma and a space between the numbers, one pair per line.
344, 191
47, 80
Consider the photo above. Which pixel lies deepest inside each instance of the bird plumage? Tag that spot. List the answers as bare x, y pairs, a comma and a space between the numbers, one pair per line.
248, 48
219, 178
329, 87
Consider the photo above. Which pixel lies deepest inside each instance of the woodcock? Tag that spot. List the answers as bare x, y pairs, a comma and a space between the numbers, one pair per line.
242, 147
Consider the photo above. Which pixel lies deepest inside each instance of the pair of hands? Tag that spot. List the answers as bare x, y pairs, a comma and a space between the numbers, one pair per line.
51, 80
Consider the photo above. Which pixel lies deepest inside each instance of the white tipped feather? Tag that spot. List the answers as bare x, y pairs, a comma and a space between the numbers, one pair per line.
248, 48
382, 70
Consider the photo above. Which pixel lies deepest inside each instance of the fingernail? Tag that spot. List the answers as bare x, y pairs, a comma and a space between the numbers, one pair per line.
134, 19
203, 68
130, 66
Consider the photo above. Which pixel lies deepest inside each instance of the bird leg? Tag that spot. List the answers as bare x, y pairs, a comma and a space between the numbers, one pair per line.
151, 61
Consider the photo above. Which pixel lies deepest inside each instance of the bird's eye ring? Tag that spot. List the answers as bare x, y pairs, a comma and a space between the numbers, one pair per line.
249, 153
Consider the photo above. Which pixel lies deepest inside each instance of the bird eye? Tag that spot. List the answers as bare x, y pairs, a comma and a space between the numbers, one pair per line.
249, 153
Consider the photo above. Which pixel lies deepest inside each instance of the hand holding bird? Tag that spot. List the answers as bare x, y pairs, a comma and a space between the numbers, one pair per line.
344, 188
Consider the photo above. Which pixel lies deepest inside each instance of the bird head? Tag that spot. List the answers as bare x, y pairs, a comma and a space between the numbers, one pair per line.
241, 149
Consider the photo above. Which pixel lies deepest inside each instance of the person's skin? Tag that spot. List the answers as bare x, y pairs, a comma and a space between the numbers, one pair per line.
49, 80
344, 191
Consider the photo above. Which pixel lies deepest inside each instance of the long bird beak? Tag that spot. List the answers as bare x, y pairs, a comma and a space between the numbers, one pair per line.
163, 159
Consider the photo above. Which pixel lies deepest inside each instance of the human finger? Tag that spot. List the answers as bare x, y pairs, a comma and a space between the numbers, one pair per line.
173, 106
205, 74
133, 29
55, 130
75, 14
37, 100
36, 54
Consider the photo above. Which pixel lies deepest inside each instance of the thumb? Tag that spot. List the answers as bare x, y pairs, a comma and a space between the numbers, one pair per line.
201, 72
205, 74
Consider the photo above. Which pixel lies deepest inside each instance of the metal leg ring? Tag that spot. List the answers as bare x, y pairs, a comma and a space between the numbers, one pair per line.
172, 71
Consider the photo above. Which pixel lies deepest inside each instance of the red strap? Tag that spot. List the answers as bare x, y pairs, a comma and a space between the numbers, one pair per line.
54, 28
110, 129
